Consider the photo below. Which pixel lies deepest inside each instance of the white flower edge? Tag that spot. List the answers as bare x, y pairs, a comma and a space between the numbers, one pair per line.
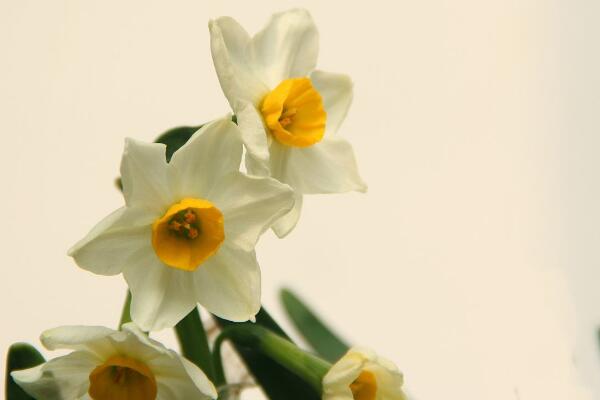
336, 383
248, 68
207, 166
67, 377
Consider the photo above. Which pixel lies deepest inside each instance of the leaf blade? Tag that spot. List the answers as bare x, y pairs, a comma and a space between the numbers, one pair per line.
319, 336
20, 356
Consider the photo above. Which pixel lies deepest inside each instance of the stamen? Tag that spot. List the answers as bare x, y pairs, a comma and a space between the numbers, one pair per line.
287, 116
294, 113
185, 224
119, 374
122, 378
188, 233
190, 216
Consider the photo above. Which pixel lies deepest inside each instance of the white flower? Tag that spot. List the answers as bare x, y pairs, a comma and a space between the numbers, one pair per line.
289, 112
112, 365
187, 232
362, 375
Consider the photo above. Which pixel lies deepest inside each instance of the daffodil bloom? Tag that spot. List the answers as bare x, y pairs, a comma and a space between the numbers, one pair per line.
187, 232
112, 365
290, 129
362, 375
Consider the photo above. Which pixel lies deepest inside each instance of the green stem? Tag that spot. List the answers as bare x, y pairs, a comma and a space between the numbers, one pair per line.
310, 368
126, 314
194, 342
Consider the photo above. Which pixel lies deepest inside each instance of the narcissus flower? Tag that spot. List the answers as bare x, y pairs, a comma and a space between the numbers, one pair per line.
290, 128
187, 232
112, 365
362, 375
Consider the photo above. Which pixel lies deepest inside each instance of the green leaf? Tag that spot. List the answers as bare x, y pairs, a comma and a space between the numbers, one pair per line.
320, 337
277, 382
194, 343
20, 356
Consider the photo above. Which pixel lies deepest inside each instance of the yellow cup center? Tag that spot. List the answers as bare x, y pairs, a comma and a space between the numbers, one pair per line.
294, 113
364, 387
122, 378
188, 234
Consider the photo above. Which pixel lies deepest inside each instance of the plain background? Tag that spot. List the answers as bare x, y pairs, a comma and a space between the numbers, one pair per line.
473, 260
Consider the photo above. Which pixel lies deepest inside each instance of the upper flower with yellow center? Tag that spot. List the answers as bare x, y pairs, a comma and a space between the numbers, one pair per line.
294, 113
187, 232
112, 365
288, 112
362, 375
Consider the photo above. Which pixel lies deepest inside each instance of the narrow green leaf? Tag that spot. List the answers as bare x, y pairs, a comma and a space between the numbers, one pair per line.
20, 356
320, 337
194, 342
277, 382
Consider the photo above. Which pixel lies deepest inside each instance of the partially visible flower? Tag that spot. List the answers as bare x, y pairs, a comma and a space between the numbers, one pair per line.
187, 232
362, 375
112, 365
288, 111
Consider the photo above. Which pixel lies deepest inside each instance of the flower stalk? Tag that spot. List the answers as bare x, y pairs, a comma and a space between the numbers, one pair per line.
308, 367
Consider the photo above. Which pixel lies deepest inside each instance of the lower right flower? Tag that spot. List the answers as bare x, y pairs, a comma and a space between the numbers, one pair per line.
362, 375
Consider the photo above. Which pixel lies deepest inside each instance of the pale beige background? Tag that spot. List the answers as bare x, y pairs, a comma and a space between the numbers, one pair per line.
472, 261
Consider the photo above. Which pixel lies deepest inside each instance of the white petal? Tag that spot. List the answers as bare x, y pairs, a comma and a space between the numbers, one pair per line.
326, 167
214, 151
177, 378
389, 383
284, 225
133, 342
228, 284
145, 176
255, 138
74, 337
250, 205
287, 47
64, 377
336, 90
344, 371
336, 383
160, 295
229, 44
115, 242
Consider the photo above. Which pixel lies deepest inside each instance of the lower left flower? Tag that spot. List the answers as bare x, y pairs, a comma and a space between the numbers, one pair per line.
116, 365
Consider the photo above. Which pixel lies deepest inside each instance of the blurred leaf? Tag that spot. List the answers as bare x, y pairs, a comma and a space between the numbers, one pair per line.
320, 337
20, 356
277, 382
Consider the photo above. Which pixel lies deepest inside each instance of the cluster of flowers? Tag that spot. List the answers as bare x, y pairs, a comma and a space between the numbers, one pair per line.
189, 226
